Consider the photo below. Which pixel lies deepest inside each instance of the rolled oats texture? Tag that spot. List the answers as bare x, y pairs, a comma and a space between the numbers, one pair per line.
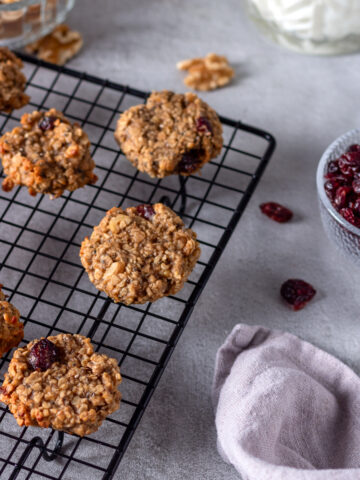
47, 154
12, 81
11, 329
74, 395
158, 136
136, 260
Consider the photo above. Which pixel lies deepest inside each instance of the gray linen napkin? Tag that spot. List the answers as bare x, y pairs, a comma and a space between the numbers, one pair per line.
285, 410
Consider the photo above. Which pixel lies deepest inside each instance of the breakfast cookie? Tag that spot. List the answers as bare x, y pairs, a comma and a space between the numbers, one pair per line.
12, 81
11, 329
60, 382
47, 154
140, 254
171, 134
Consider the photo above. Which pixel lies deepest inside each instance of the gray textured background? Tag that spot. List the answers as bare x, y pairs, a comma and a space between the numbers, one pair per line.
305, 102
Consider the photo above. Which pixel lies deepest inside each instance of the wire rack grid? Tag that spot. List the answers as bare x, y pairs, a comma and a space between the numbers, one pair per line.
42, 274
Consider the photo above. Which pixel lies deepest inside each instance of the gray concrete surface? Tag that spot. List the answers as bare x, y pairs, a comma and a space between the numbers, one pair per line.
305, 102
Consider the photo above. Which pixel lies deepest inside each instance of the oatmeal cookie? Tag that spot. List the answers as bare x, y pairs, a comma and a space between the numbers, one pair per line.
60, 382
12, 82
171, 134
11, 329
47, 154
140, 254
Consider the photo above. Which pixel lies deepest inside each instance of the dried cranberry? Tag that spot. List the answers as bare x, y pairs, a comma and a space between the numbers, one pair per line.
349, 163
297, 293
276, 212
349, 215
341, 196
354, 148
203, 125
43, 354
145, 211
333, 169
356, 186
47, 123
189, 162
356, 206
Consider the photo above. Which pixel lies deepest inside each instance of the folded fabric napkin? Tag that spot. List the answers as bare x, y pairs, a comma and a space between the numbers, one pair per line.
285, 410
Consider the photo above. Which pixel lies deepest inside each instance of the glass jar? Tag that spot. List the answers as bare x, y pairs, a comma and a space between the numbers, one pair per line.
324, 27
24, 21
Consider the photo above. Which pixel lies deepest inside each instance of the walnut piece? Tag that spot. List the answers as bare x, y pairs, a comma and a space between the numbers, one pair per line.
208, 73
57, 47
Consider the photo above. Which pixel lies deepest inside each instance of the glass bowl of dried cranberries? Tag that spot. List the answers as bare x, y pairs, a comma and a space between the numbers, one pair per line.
338, 185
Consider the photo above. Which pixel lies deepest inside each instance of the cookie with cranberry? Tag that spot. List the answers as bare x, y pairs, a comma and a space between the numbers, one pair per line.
140, 254
11, 329
60, 382
12, 82
47, 154
171, 134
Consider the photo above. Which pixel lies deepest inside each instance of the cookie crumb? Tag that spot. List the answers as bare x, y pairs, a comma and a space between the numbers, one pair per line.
208, 73
57, 47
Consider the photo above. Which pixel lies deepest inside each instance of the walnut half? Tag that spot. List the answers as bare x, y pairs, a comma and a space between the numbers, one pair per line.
208, 73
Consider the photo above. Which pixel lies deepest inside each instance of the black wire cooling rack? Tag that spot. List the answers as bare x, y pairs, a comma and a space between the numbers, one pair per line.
42, 274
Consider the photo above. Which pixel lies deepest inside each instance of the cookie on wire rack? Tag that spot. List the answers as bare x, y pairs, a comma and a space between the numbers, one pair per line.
140, 254
170, 134
11, 329
12, 82
47, 154
60, 382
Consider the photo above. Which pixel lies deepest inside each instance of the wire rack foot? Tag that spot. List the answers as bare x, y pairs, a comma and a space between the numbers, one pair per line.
37, 442
166, 200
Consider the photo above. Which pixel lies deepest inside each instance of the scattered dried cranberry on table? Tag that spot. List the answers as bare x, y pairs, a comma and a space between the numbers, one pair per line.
276, 212
342, 184
297, 293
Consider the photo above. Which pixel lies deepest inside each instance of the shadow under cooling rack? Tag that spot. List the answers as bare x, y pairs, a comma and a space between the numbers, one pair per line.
42, 274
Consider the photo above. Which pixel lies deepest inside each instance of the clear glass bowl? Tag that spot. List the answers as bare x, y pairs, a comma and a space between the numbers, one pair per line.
322, 27
24, 21
345, 235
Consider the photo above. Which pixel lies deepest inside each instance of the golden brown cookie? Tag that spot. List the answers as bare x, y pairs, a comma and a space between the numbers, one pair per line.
140, 254
11, 329
171, 134
60, 382
12, 81
47, 154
